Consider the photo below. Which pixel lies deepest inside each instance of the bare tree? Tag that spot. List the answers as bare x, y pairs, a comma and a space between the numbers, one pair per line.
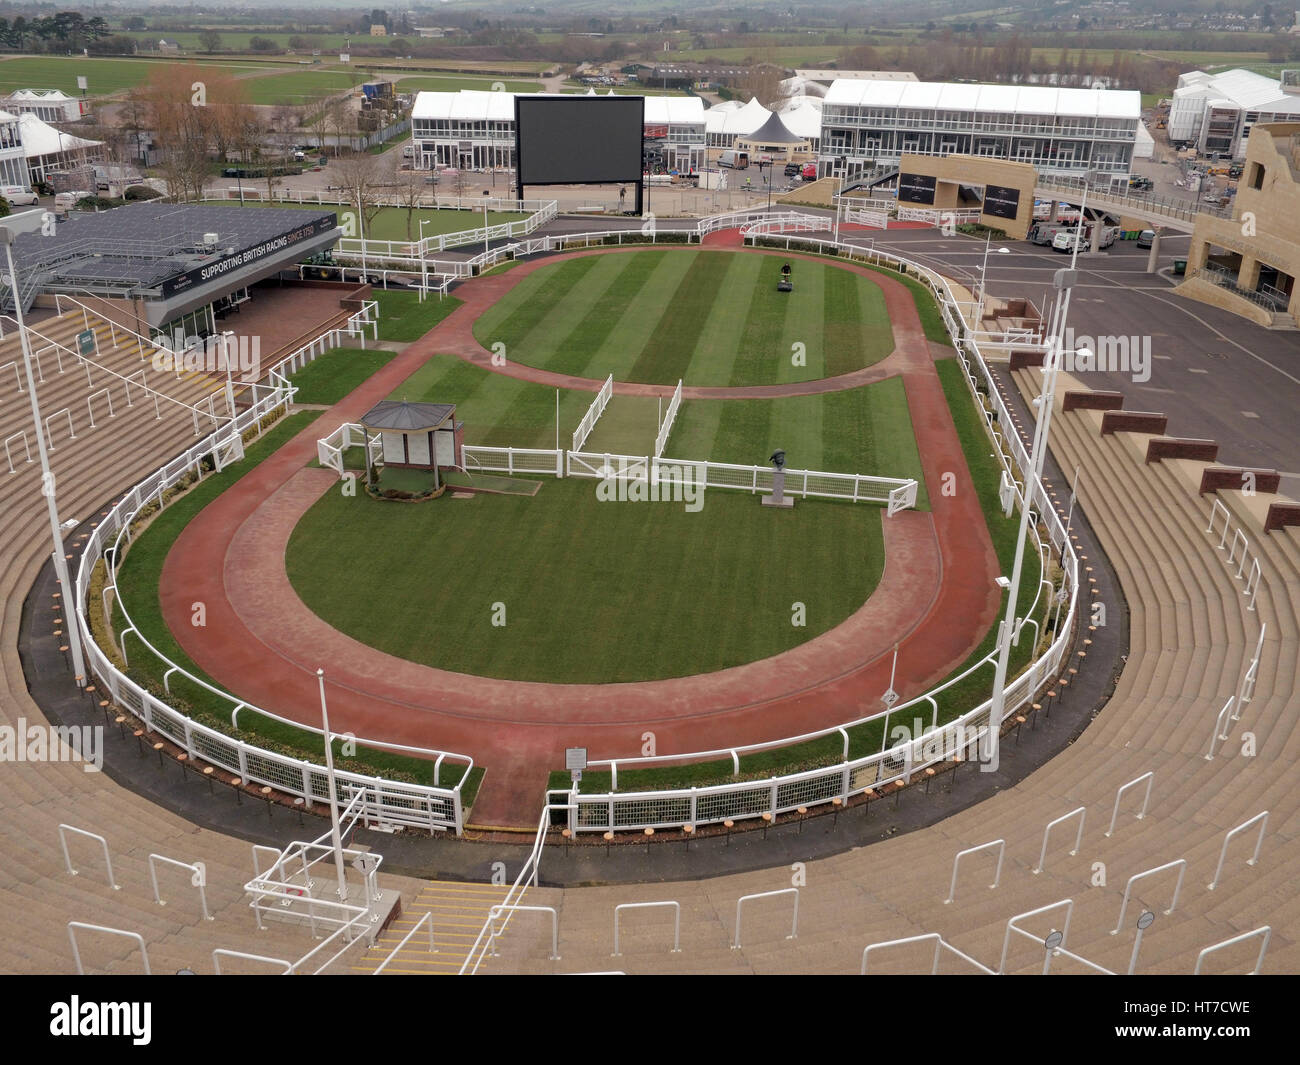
361, 180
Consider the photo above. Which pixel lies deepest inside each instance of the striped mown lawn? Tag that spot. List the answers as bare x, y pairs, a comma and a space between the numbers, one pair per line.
863, 430
588, 591
711, 318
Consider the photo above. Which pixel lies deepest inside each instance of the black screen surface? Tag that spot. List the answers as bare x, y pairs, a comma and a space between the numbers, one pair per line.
575, 140
1001, 202
916, 188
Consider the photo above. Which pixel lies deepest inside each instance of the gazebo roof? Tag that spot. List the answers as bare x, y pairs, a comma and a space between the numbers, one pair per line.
407, 417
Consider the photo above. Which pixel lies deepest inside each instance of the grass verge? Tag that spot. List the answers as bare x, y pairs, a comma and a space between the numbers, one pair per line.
138, 580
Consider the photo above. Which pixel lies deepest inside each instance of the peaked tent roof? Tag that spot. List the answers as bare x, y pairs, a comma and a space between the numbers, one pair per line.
774, 131
406, 417
42, 139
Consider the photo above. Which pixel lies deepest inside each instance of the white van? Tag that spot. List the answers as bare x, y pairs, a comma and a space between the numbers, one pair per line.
734, 160
19, 196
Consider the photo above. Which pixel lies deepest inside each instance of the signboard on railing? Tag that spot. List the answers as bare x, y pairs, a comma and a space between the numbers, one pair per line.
86, 342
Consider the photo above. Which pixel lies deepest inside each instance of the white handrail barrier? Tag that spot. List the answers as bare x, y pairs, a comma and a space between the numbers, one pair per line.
108, 862
1264, 932
1149, 777
940, 944
496, 912
198, 878
433, 949
1262, 818
1179, 863
794, 921
1081, 814
73, 926
1000, 844
677, 921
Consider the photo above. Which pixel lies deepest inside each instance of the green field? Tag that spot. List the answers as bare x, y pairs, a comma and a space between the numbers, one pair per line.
454, 83
301, 86
103, 75
709, 318
390, 223
699, 602
334, 373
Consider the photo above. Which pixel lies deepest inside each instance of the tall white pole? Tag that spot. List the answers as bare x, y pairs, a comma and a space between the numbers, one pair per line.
47, 478
335, 835
1064, 281
361, 226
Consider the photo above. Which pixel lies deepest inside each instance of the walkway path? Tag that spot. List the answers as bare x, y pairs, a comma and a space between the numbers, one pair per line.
936, 597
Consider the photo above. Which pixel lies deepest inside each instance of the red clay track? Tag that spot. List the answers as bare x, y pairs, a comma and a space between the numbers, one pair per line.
936, 598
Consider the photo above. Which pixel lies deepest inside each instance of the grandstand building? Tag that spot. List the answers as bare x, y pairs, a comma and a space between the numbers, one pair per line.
871, 123
474, 130
13, 159
1248, 264
166, 268
1215, 112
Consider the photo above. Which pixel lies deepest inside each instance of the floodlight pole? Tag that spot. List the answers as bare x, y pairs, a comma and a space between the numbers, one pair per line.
1064, 282
335, 835
47, 478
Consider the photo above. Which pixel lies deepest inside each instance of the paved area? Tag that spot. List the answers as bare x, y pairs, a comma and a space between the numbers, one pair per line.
1215, 374
261, 639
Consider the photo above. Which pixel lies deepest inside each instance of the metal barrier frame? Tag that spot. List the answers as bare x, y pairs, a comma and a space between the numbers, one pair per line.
794, 924
677, 922
76, 952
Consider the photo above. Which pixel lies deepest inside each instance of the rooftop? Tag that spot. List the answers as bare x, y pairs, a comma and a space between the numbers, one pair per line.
1001, 99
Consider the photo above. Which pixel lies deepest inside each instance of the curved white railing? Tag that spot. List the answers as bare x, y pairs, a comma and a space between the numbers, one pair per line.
666, 808
389, 802
435, 807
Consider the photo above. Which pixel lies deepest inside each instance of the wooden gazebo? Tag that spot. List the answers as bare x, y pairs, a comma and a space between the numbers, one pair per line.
420, 436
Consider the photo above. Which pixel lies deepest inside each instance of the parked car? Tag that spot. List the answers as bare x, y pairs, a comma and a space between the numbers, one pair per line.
19, 196
1141, 184
791, 169
1146, 238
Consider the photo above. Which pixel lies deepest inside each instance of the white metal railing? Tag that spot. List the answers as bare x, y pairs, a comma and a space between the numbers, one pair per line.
329, 449
512, 460
789, 222
1251, 572
666, 428
855, 487
668, 808
936, 217
135, 937
485, 943
385, 802
594, 411
386, 250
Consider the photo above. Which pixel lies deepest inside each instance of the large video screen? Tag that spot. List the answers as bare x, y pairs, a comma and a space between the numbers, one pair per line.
578, 140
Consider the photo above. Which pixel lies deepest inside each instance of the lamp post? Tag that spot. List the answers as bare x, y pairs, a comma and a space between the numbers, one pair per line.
486, 194
984, 266
47, 478
1063, 282
335, 835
